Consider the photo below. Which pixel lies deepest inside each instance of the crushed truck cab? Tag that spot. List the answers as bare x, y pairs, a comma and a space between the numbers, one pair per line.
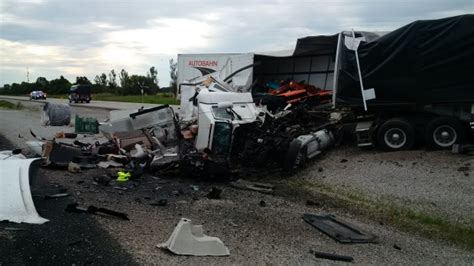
219, 114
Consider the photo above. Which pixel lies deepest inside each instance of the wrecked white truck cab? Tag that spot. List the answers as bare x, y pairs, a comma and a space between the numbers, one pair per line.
219, 114
230, 123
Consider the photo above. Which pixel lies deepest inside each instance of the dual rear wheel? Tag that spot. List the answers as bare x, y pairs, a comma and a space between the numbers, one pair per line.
399, 134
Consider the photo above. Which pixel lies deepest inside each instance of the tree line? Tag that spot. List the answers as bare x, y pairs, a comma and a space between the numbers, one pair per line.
116, 83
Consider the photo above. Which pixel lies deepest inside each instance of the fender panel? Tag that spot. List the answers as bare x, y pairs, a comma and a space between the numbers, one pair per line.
16, 202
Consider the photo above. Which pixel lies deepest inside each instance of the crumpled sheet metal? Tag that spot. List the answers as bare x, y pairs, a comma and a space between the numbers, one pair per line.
16, 202
188, 239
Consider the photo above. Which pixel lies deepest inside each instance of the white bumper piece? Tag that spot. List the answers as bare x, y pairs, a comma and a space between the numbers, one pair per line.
188, 239
16, 202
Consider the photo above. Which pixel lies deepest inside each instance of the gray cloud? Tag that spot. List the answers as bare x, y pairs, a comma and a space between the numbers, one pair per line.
88, 37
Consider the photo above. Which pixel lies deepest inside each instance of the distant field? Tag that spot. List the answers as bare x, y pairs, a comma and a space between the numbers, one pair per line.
9, 105
161, 98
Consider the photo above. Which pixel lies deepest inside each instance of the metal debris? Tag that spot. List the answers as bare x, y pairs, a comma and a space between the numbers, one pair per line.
74, 207
330, 256
339, 230
255, 186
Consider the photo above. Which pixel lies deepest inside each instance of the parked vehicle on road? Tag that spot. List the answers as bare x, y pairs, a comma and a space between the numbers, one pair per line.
80, 93
37, 95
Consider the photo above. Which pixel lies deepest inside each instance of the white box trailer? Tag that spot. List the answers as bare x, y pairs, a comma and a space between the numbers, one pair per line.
302, 64
312, 61
194, 66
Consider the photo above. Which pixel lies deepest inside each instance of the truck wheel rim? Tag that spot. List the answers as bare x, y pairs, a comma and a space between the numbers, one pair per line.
395, 138
444, 136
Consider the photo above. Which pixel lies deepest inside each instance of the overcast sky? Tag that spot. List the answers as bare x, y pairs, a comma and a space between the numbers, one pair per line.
77, 38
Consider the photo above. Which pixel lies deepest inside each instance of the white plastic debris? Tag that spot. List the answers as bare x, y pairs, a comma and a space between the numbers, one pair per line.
188, 239
16, 202
138, 152
35, 146
110, 163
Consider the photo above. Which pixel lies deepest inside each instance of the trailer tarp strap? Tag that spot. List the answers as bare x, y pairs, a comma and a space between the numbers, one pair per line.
353, 44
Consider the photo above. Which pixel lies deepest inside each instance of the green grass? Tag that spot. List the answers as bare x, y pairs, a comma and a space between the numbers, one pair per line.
160, 98
9, 105
426, 224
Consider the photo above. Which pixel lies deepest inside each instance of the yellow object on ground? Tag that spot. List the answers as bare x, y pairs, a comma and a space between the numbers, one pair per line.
123, 176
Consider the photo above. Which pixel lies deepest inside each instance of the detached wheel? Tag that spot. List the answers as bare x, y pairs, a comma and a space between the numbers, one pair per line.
443, 132
396, 134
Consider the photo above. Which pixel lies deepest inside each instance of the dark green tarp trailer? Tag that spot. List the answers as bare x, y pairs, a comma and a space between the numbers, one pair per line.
424, 62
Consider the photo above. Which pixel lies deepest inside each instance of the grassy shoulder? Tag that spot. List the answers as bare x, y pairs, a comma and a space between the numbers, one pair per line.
160, 98
385, 211
9, 105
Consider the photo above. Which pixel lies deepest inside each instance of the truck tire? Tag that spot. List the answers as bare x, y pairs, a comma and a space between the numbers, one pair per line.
443, 132
396, 134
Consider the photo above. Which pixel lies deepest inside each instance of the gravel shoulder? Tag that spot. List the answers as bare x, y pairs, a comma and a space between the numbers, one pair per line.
436, 182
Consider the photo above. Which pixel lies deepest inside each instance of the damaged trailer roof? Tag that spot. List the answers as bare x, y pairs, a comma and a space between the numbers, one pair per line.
424, 62
316, 45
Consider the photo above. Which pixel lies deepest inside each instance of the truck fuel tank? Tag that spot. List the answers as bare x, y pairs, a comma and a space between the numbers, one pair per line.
306, 147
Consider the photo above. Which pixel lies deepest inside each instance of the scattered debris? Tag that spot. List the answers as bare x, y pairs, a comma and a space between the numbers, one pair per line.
463, 169
312, 203
256, 186
330, 256
339, 230
161, 202
188, 239
123, 176
73, 167
103, 180
75, 242
55, 196
344, 161
62, 134
88, 125
194, 187
35, 146
13, 229
59, 154
395, 246
74, 207
463, 149
110, 163
36, 137
214, 193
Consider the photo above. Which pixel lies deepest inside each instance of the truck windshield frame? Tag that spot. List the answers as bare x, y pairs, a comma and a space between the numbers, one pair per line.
221, 113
